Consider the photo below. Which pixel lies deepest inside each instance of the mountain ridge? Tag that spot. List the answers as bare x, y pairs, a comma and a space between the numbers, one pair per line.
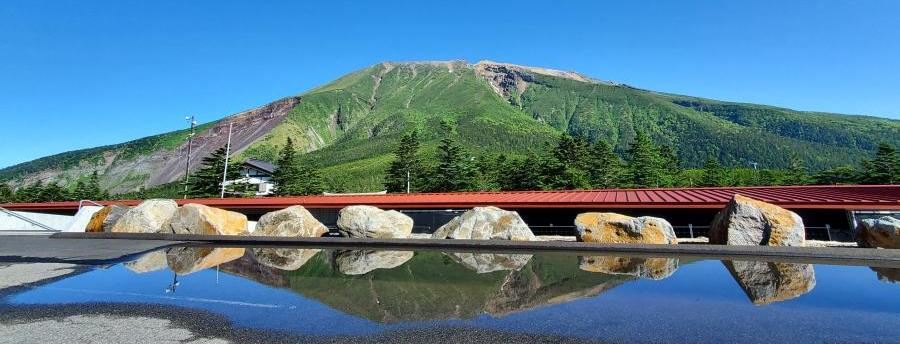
348, 126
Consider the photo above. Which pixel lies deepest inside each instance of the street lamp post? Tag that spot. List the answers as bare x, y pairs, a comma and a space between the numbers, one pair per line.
187, 164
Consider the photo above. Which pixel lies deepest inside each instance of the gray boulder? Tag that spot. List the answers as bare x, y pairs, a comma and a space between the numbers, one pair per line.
201, 219
883, 232
294, 221
767, 282
104, 219
746, 221
486, 223
363, 221
613, 228
147, 217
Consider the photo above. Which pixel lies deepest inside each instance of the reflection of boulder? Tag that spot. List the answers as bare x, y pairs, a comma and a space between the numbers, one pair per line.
186, 260
283, 258
746, 221
201, 219
104, 219
609, 228
486, 223
152, 261
443, 289
766, 282
293, 221
147, 217
882, 232
363, 221
490, 262
358, 262
889, 275
652, 268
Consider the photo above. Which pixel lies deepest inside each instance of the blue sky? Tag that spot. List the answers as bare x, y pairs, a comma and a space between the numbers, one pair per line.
78, 74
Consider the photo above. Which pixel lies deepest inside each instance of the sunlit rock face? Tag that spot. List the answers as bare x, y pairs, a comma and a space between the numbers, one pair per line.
766, 282
104, 219
611, 228
288, 259
186, 260
883, 232
888, 275
363, 221
294, 221
486, 223
746, 221
201, 219
359, 262
651, 268
149, 262
490, 262
147, 217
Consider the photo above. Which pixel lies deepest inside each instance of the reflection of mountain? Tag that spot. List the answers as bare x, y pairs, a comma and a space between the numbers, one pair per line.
433, 286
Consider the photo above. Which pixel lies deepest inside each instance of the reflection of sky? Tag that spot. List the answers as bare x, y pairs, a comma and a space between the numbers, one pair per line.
701, 302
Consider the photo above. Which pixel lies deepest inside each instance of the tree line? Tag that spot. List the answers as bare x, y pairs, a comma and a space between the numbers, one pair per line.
83, 189
576, 163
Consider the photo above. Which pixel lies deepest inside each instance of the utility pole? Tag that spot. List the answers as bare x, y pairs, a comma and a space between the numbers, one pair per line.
187, 164
227, 152
407, 181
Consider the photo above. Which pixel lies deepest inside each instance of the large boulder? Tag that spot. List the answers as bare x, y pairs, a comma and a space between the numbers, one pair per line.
363, 221
149, 262
294, 221
767, 282
486, 223
104, 219
359, 262
610, 228
746, 221
652, 268
186, 260
288, 259
490, 262
201, 219
147, 217
883, 232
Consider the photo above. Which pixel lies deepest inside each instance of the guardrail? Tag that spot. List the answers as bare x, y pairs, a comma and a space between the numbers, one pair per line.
23, 218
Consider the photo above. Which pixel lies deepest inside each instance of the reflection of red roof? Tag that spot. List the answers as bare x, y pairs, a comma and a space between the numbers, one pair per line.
870, 197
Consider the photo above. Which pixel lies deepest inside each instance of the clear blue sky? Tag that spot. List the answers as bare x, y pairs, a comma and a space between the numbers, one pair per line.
77, 74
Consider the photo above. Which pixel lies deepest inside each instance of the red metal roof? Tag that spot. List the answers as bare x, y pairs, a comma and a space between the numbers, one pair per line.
850, 197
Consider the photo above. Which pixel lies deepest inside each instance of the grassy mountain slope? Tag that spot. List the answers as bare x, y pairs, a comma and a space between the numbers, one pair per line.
350, 126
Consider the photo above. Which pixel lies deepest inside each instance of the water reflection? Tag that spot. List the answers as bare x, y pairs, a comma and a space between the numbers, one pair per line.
186, 260
652, 268
359, 262
887, 275
768, 282
149, 262
490, 262
283, 258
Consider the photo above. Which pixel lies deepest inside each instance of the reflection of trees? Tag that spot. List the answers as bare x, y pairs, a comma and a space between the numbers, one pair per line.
767, 282
432, 286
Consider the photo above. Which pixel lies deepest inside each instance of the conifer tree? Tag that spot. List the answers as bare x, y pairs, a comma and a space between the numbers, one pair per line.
454, 171
7, 195
89, 189
522, 174
796, 173
287, 171
836, 176
207, 181
670, 166
52, 192
406, 164
566, 167
643, 162
606, 169
884, 168
713, 173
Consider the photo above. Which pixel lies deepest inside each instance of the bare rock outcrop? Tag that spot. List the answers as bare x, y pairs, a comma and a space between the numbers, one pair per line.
767, 282
882, 232
650, 268
147, 217
486, 223
201, 219
104, 219
363, 221
746, 221
610, 228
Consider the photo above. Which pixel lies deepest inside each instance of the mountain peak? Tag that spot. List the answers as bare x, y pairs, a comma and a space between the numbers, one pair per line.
492, 65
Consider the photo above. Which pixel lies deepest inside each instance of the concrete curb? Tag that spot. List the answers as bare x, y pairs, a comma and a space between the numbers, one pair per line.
813, 255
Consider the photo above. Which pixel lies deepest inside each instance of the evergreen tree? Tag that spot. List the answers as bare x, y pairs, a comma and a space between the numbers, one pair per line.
7, 195
407, 164
837, 175
606, 169
29, 193
287, 174
52, 192
89, 189
522, 174
310, 182
713, 173
453, 171
796, 173
207, 181
643, 162
567, 166
884, 168
670, 166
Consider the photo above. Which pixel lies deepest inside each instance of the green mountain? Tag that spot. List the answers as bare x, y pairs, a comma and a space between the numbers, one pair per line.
350, 126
